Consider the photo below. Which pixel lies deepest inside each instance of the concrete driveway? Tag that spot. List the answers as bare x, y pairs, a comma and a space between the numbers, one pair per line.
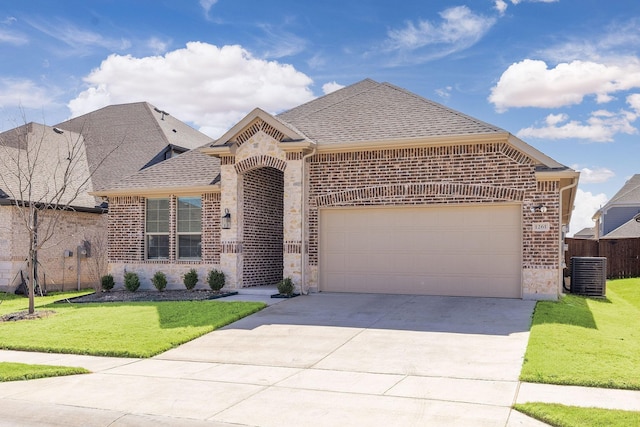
318, 360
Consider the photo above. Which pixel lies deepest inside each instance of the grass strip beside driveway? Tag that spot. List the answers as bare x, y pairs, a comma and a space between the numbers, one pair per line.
10, 371
140, 329
573, 416
587, 341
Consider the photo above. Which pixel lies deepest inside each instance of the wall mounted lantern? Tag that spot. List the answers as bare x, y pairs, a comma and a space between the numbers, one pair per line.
538, 208
225, 221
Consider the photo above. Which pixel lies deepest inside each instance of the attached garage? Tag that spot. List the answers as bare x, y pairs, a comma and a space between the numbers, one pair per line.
458, 250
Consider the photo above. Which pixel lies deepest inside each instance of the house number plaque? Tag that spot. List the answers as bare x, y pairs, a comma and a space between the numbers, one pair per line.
540, 227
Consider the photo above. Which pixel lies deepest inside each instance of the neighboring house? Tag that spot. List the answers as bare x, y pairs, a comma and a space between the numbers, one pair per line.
368, 189
110, 143
585, 233
621, 209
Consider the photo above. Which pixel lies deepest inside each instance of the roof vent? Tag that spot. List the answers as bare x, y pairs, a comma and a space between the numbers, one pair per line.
589, 276
58, 130
162, 112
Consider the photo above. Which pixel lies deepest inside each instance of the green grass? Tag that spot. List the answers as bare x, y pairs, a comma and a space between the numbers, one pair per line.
20, 371
573, 416
141, 329
11, 303
587, 341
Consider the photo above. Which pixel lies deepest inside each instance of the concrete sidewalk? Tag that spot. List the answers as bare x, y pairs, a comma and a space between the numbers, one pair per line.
322, 360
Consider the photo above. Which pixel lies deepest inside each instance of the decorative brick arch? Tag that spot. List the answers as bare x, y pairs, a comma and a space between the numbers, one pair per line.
261, 161
419, 190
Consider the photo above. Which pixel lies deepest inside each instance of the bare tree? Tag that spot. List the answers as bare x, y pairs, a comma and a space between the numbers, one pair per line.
97, 264
45, 173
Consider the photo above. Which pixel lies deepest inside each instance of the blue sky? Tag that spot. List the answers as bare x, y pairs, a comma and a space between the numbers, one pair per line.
563, 75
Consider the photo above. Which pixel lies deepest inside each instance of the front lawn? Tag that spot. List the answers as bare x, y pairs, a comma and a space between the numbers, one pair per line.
587, 341
21, 371
140, 329
11, 303
573, 416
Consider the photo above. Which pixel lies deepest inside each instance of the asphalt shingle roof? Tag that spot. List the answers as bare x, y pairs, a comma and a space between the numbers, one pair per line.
629, 229
34, 160
372, 111
127, 137
628, 194
190, 169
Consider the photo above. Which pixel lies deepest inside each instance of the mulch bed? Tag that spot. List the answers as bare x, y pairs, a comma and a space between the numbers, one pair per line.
142, 295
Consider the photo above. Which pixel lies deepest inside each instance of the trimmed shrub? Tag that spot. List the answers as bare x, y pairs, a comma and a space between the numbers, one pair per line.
286, 286
159, 280
190, 279
215, 279
106, 282
131, 281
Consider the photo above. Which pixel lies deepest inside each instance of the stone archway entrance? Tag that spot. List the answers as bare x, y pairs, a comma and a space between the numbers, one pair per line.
262, 226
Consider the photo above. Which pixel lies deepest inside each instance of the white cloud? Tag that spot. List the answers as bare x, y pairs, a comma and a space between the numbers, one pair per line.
500, 6
459, 29
79, 40
331, 87
602, 126
634, 101
13, 38
444, 92
279, 43
530, 83
25, 93
209, 86
158, 46
594, 176
586, 204
207, 5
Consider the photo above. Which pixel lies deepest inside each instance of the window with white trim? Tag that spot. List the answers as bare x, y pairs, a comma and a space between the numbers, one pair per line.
157, 229
189, 228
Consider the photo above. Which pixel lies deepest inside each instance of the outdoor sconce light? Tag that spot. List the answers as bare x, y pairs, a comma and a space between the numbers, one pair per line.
538, 208
226, 220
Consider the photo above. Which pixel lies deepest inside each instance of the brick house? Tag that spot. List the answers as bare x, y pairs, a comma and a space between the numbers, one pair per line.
110, 143
368, 189
617, 218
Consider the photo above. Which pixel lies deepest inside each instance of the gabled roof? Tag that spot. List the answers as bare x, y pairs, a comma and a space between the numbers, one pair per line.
628, 195
585, 233
365, 115
137, 132
191, 171
372, 111
629, 229
33, 161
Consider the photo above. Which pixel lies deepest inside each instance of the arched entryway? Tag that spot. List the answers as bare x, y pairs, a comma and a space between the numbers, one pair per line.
262, 226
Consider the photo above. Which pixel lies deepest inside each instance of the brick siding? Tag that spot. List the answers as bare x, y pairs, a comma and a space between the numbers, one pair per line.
473, 173
126, 227
262, 242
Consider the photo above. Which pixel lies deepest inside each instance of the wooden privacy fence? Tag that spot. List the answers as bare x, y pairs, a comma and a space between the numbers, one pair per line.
623, 255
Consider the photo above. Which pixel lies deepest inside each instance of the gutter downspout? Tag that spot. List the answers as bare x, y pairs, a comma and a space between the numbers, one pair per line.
303, 245
560, 239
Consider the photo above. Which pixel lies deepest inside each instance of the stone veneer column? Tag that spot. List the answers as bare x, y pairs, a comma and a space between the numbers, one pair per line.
230, 247
292, 218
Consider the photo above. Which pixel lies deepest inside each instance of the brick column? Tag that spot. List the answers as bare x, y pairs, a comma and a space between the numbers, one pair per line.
230, 246
292, 218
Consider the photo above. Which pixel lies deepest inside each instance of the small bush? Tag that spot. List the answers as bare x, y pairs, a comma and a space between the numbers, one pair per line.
159, 280
215, 279
190, 279
106, 282
131, 281
286, 286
